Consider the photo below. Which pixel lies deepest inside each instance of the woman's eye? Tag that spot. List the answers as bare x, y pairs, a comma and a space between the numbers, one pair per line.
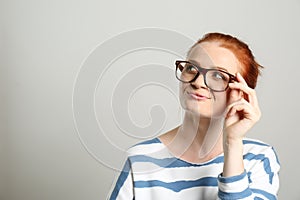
219, 75
190, 69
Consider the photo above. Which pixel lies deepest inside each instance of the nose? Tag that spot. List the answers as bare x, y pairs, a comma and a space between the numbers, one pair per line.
199, 82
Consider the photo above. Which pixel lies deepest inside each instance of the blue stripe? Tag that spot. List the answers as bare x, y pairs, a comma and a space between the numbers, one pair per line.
232, 178
249, 174
255, 142
172, 162
156, 140
257, 198
262, 144
234, 195
268, 195
122, 178
266, 163
177, 186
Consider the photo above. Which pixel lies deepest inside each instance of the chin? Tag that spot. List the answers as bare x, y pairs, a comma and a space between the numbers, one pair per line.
197, 112
203, 112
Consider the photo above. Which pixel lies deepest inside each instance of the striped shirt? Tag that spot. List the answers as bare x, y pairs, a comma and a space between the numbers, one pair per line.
151, 172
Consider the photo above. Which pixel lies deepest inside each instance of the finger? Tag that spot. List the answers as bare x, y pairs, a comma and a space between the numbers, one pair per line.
242, 82
231, 112
233, 96
237, 106
244, 108
241, 111
251, 92
241, 79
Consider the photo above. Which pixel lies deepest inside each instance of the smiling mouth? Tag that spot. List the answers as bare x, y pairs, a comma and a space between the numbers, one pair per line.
197, 96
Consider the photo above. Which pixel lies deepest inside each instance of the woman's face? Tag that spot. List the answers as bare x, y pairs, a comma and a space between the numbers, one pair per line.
196, 97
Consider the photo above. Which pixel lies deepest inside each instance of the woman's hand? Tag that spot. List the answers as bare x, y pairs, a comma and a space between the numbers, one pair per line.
242, 111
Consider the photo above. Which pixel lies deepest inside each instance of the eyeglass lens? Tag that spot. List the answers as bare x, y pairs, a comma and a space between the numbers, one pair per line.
213, 78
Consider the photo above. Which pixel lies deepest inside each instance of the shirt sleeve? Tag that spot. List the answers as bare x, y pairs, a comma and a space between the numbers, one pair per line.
260, 181
123, 189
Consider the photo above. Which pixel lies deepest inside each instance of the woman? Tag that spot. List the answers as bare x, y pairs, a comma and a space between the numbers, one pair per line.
208, 155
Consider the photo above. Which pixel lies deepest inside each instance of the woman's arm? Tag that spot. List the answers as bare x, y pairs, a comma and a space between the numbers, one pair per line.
242, 113
123, 189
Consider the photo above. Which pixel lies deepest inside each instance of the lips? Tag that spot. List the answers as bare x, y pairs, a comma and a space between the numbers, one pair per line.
198, 96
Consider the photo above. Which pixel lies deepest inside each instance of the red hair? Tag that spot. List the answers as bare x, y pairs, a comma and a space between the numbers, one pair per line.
251, 69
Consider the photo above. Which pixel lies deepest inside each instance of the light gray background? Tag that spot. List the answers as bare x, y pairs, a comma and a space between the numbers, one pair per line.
43, 44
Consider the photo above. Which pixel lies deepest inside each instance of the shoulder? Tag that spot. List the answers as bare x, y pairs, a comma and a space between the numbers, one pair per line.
253, 144
146, 147
258, 150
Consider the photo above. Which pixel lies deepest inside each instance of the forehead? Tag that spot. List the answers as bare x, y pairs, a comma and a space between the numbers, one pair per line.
210, 54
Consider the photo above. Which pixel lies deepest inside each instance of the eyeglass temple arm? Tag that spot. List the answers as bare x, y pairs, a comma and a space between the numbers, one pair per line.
233, 78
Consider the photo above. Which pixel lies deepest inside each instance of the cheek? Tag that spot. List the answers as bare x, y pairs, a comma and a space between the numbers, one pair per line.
220, 103
182, 88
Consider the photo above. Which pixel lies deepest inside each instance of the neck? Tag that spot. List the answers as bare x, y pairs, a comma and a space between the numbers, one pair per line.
200, 136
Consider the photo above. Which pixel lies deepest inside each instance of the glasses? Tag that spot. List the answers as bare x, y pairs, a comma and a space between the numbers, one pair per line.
215, 79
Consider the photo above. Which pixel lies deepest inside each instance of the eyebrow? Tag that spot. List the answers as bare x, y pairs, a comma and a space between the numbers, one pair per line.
211, 67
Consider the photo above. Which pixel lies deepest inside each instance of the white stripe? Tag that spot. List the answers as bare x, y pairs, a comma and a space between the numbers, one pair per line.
237, 186
157, 150
196, 193
175, 174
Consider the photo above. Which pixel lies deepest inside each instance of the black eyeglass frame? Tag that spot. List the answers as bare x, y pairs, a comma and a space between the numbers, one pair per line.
203, 71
